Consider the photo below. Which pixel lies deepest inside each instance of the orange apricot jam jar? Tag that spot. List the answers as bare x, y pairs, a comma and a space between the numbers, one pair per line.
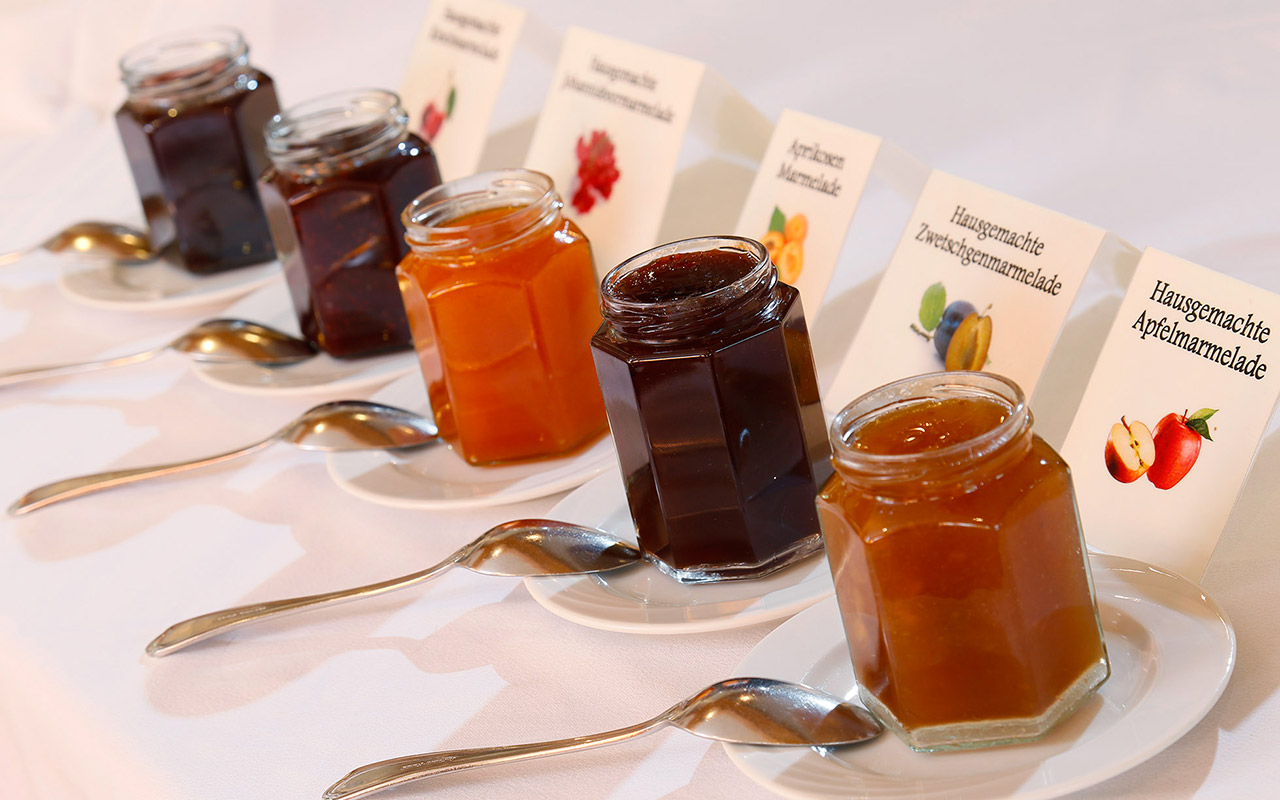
959, 564
501, 296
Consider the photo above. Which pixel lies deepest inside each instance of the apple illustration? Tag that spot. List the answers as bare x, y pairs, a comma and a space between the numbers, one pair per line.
1178, 438
1130, 451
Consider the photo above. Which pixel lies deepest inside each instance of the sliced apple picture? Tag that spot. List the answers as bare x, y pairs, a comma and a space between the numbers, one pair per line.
1130, 450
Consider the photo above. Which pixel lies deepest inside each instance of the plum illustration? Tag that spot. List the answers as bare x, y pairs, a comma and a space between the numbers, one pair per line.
951, 319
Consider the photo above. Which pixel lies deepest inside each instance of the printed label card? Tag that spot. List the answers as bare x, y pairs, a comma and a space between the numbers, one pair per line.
804, 197
611, 133
1173, 414
979, 281
455, 74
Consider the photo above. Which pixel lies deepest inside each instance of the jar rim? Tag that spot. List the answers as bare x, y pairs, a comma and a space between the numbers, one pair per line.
190, 59
346, 123
883, 467
762, 266
483, 189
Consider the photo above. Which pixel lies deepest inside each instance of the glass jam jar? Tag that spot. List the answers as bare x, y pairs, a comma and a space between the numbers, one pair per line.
192, 130
501, 293
709, 381
959, 563
343, 166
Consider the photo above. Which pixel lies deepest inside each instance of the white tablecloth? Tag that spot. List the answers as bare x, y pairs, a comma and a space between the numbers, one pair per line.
1155, 120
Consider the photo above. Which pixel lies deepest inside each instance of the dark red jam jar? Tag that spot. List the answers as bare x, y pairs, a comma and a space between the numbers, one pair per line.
343, 167
709, 384
192, 130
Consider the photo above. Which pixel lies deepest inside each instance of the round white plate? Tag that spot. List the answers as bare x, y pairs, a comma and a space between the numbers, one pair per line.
641, 599
434, 476
272, 306
158, 286
1172, 651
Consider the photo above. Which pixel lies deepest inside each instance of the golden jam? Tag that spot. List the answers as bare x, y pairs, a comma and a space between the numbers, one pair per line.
959, 565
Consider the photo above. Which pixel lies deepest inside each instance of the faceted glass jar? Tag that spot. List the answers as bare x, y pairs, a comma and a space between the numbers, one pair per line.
501, 294
192, 130
959, 564
343, 166
708, 378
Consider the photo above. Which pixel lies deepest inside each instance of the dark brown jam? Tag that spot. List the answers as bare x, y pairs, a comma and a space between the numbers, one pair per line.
708, 379
335, 215
196, 153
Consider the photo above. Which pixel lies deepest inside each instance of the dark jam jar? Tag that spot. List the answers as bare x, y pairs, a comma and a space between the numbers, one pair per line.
192, 130
709, 384
959, 565
344, 166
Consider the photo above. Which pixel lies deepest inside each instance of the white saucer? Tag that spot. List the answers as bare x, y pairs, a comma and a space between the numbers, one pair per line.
158, 286
272, 306
642, 599
1172, 651
435, 476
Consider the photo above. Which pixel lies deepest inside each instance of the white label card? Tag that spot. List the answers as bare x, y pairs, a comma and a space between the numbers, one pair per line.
455, 74
1174, 412
804, 198
979, 280
610, 135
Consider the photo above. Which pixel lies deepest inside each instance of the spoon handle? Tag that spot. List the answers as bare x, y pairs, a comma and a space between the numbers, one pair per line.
15, 255
375, 777
69, 488
52, 370
196, 629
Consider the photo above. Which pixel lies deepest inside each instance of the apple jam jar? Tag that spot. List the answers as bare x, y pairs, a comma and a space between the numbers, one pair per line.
192, 130
708, 378
501, 295
343, 166
959, 564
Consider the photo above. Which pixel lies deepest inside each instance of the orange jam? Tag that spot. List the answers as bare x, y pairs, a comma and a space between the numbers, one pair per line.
502, 302
959, 565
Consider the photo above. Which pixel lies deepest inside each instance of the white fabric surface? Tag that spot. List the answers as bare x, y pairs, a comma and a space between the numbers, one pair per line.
1155, 120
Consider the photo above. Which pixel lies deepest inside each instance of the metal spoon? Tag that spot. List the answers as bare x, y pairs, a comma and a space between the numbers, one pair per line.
340, 425
739, 710
105, 239
217, 340
522, 548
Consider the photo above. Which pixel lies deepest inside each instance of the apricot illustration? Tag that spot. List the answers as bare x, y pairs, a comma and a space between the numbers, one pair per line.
970, 343
790, 262
773, 242
796, 228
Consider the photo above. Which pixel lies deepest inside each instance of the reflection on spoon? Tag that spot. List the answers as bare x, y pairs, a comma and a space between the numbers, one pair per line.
340, 425
218, 340
739, 710
522, 548
96, 239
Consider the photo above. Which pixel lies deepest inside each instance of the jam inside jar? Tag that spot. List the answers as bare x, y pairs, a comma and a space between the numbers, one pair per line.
708, 378
959, 564
344, 165
501, 294
192, 130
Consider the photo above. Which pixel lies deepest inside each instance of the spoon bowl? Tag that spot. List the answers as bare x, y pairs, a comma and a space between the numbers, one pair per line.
758, 711
217, 340
120, 243
521, 548
339, 425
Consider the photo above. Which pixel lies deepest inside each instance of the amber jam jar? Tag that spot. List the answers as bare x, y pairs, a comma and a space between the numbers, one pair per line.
343, 166
505, 287
959, 564
709, 381
192, 130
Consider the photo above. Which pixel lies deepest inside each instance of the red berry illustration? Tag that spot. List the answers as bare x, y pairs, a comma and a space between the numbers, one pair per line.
432, 119
597, 171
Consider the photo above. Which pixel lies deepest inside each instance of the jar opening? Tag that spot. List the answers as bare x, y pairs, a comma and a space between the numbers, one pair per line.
184, 63
995, 423
481, 211
339, 129
707, 284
